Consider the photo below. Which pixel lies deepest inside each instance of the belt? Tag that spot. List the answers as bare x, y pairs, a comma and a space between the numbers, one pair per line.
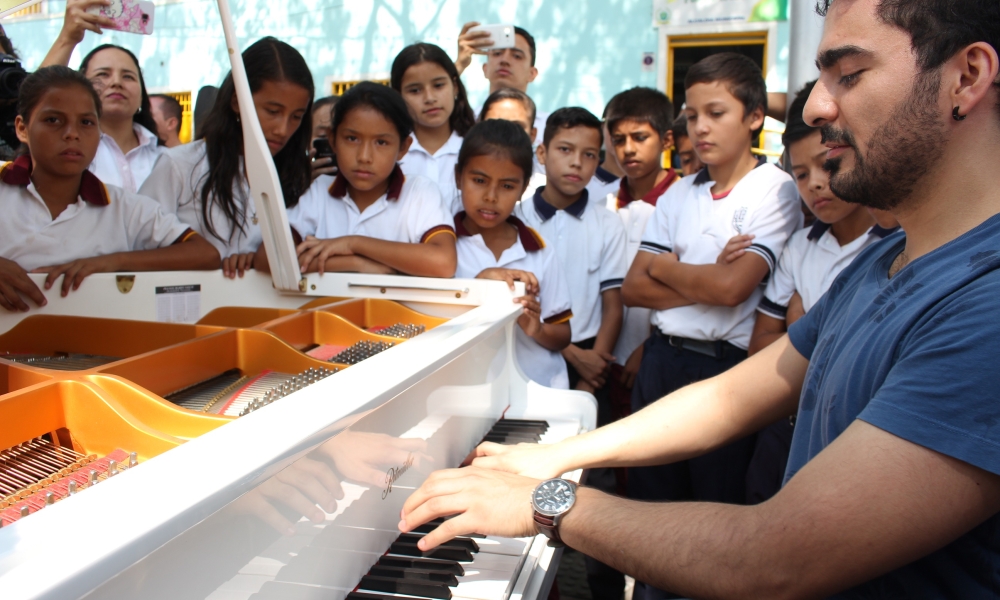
718, 349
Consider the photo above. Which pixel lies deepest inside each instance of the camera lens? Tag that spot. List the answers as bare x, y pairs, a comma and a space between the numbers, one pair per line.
10, 81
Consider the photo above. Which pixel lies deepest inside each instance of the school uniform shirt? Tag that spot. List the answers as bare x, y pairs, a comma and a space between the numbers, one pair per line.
411, 211
603, 184
127, 171
635, 214
103, 220
528, 253
689, 222
438, 167
176, 183
590, 243
811, 261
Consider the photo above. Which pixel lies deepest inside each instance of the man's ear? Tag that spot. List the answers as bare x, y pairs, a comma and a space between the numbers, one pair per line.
972, 74
21, 128
540, 153
404, 148
172, 123
533, 74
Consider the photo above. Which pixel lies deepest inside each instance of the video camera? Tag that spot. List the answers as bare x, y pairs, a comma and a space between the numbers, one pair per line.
12, 75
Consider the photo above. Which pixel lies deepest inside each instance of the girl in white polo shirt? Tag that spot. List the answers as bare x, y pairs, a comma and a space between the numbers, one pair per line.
59, 218
426, 78
493, 169
203, 183
371, 217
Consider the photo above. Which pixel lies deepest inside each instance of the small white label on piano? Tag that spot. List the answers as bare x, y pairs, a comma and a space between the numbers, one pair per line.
178, 303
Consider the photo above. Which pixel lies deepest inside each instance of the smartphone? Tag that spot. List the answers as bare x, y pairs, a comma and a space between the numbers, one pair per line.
12, 6
324, 150
502, 35
132, 16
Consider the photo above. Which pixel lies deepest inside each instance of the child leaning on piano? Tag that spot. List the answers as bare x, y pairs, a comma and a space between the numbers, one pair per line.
493, 169
58, 216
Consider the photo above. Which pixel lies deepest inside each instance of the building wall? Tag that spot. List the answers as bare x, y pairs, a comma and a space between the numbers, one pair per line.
587, 50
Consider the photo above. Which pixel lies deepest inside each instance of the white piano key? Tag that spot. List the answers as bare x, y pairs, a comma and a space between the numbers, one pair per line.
483, 584
498, 545
559, 430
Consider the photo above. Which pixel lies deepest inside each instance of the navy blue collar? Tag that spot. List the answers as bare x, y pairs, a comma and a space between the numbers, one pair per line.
605, 176
546, 211
702, 177
819, 228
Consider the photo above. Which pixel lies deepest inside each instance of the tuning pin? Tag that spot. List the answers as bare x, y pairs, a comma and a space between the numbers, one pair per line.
133, 459
25, 512
112, 468
92, 478
72, 488
50, 499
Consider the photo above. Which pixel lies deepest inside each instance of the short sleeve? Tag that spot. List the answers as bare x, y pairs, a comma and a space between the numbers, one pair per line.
428, 215
657, 239
780, 287
304, 218
147, 224
614, 263
557, 305
941, 393
778, 216
166, 185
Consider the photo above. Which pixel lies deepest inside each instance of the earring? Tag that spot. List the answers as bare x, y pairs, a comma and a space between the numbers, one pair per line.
956, 116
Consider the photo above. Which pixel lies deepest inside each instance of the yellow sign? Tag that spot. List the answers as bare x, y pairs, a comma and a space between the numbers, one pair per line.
12, 6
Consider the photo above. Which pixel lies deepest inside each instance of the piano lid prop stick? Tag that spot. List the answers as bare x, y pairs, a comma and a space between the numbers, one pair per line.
265, 188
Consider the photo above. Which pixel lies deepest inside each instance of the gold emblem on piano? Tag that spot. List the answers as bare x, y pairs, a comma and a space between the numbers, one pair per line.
125, 283
395, 473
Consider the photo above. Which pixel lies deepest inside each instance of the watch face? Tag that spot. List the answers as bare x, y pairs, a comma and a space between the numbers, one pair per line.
553, 497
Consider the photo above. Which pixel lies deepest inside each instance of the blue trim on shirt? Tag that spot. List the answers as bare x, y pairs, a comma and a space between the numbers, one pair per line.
546, 211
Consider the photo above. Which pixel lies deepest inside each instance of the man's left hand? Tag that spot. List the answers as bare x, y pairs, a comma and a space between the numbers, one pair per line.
485, 502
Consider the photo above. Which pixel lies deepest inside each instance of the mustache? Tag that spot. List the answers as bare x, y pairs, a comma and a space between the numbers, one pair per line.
831, 134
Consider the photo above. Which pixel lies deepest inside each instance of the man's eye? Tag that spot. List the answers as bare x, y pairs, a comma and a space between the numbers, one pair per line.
851, 79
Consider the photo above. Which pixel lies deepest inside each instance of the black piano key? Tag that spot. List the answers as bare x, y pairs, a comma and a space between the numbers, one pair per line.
501, 426
406, 549
414, 574
432, 525
401, 586
509, 438
423, 564
525, 422
465, 543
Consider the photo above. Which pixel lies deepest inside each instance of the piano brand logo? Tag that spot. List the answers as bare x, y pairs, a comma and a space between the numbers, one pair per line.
393, 474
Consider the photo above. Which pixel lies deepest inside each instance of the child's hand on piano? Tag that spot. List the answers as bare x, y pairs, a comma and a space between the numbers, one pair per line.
531, 318
486, 502
531, 286
313, 249
75, 272
14, 282
237, 264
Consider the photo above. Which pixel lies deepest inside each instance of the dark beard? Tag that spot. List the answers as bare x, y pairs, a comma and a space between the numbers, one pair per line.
901, 150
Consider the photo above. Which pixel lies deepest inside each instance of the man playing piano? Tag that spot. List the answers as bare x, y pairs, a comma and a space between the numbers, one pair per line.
893, 484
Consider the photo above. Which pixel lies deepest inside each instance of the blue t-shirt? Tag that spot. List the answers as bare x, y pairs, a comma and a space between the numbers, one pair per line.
914, 355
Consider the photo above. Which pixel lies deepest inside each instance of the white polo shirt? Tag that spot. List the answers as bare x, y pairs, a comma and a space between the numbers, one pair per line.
812, 260
528, 253
602, 184
411, 211
691, 223
103, 220
635, 214
590, 242
176, 183
438, 167
127, 171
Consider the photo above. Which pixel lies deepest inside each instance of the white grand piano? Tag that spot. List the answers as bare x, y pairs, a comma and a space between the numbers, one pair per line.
180, 435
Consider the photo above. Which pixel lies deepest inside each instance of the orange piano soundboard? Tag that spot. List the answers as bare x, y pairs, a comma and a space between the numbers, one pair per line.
83, 399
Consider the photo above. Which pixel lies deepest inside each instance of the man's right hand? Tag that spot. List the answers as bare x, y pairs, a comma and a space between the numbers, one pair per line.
530, 460
14, 282
470, 44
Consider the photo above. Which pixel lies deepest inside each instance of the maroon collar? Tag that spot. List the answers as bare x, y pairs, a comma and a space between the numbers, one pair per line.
625, 198
18, 173
396, 181
530, 239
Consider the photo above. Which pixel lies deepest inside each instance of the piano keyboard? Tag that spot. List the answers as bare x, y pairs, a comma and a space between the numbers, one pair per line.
310, 564
234, 394
61, 361
38, 473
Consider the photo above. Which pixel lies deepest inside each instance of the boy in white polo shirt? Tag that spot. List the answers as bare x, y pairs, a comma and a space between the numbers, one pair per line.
60, 218
493, 168
703, 310
812, 260
371, 218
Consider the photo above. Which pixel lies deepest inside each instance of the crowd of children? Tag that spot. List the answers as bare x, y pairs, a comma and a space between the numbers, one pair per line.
640, 279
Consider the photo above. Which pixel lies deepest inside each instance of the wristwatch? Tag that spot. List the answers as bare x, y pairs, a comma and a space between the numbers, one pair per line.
551, 500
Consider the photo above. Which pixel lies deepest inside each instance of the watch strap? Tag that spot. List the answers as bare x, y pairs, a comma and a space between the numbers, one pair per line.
549, 528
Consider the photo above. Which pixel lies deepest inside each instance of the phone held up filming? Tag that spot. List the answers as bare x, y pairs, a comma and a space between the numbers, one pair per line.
132, 16
502, 36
